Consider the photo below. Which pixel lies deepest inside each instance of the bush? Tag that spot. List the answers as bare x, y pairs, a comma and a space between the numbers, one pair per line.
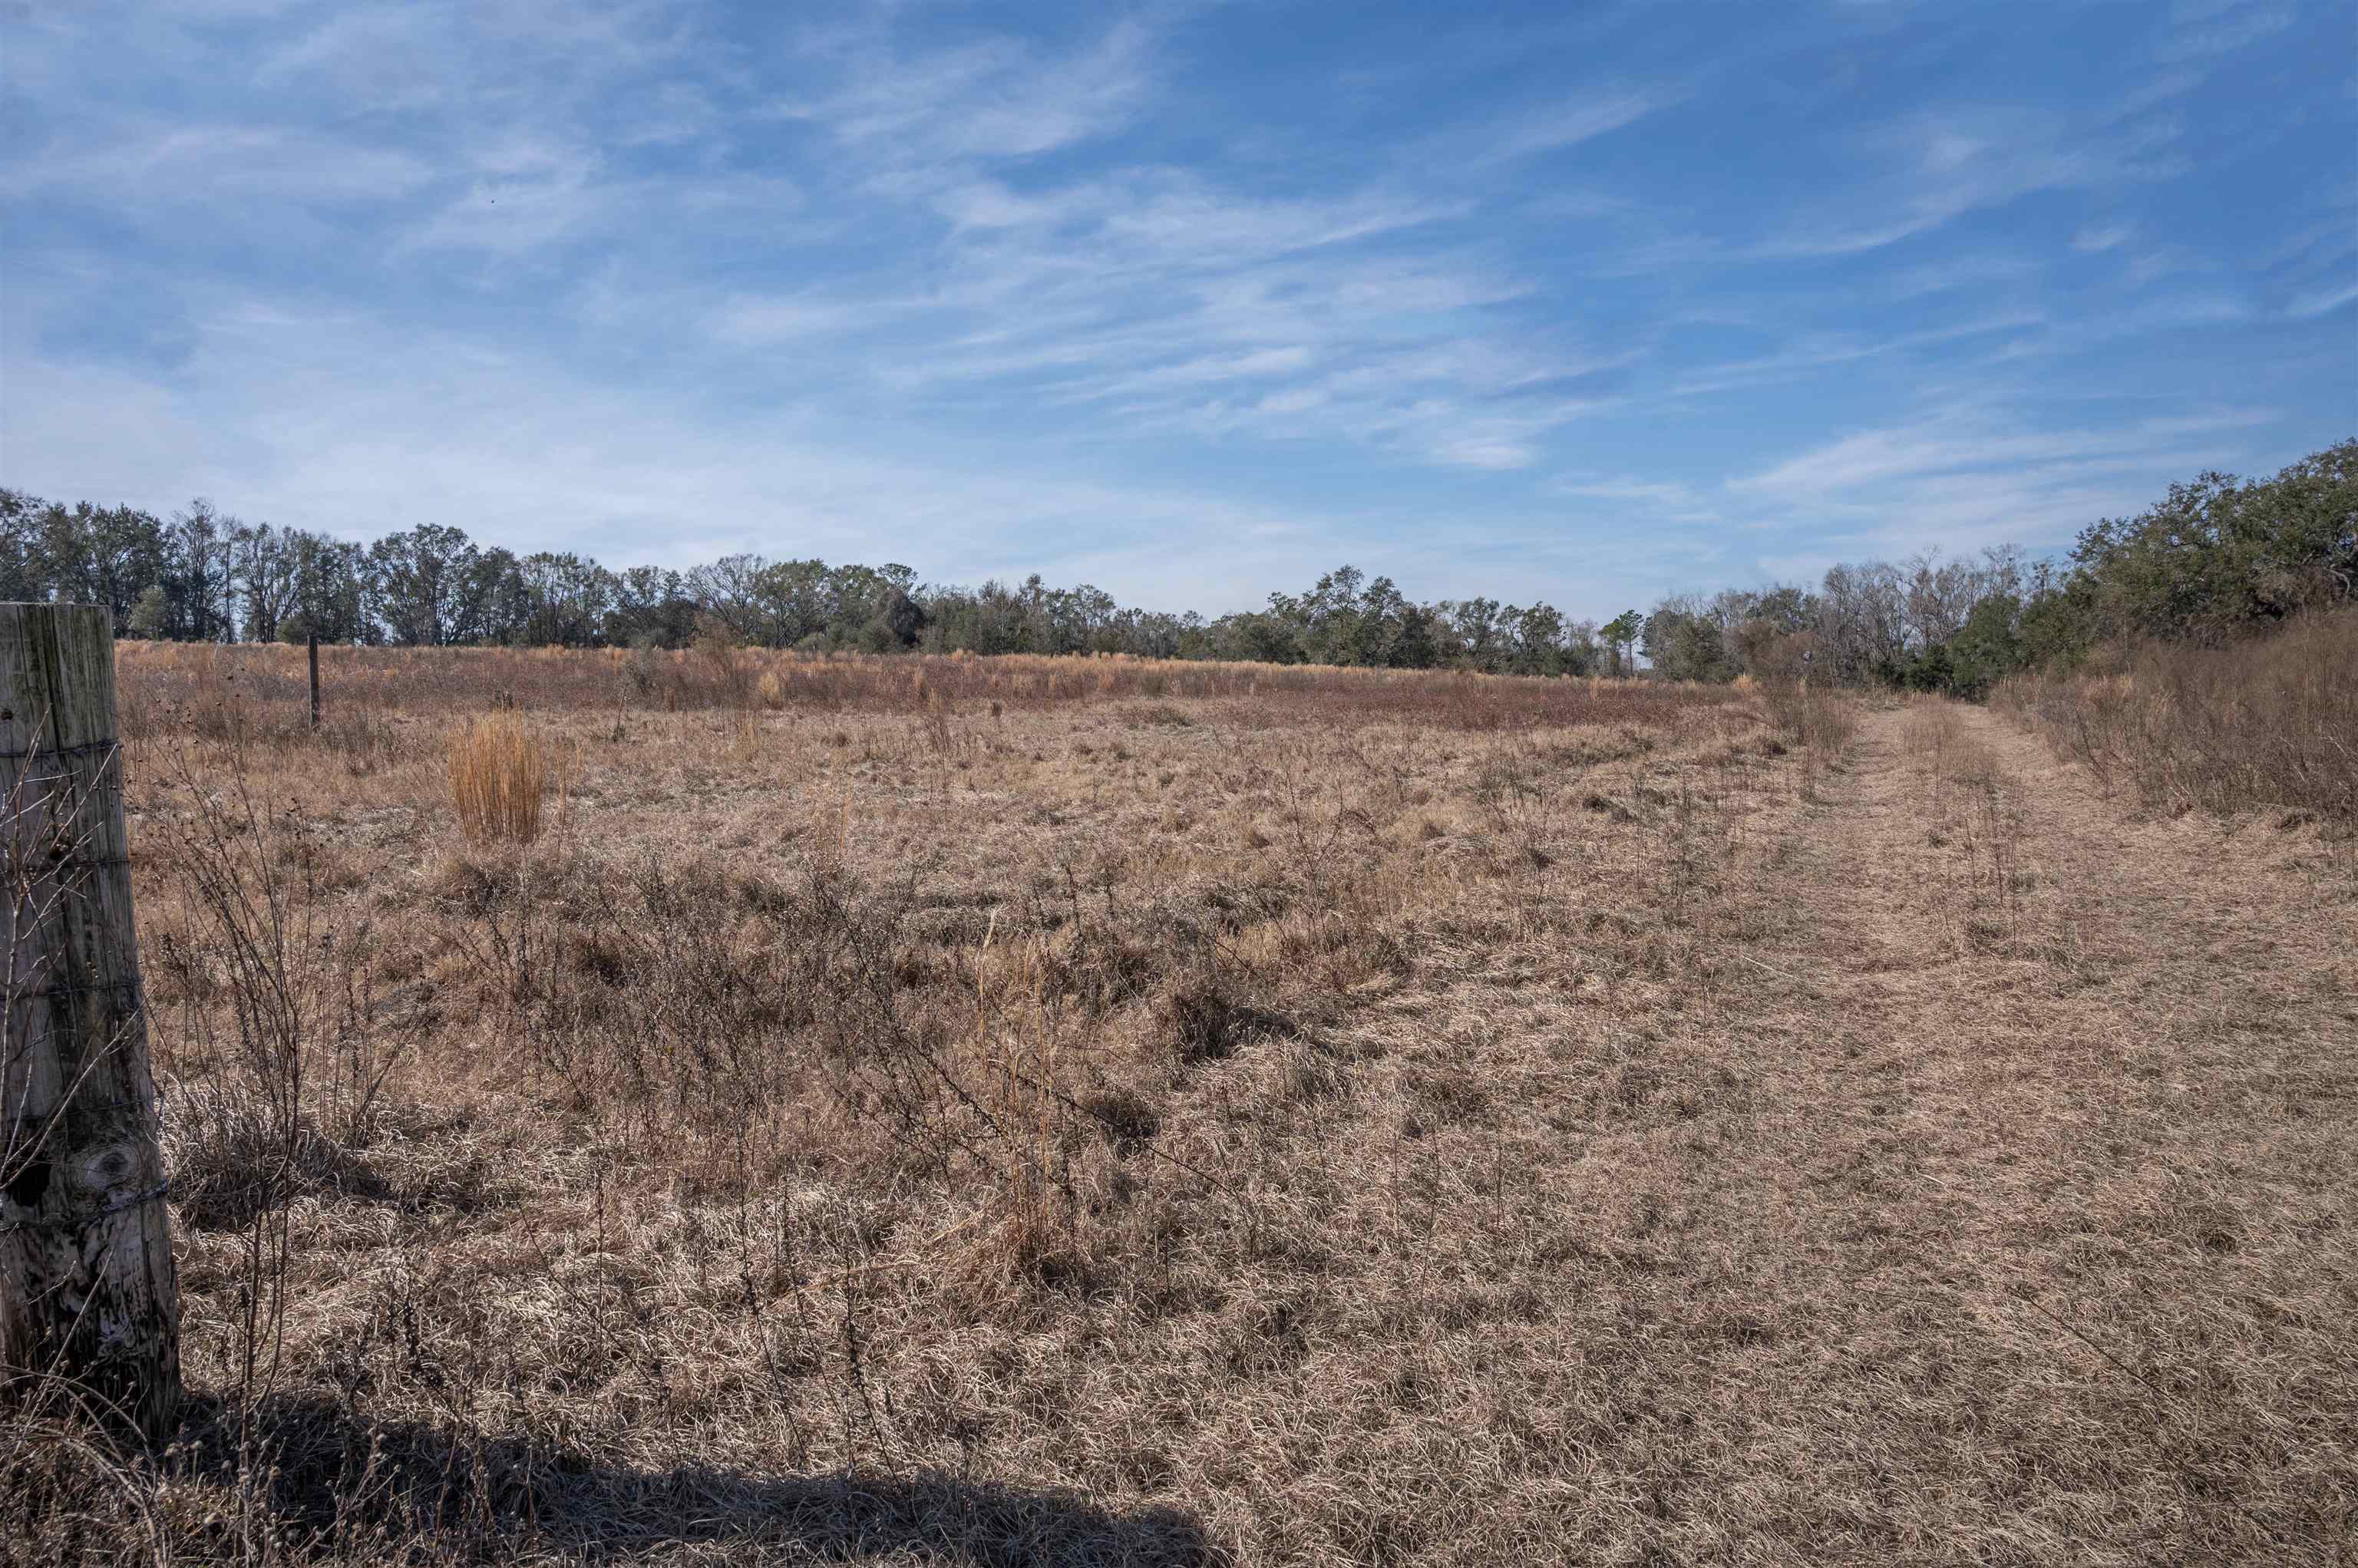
1817, 718
2221, 557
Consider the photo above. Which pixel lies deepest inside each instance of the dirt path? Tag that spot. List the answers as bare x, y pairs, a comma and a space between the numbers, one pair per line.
2068, 1103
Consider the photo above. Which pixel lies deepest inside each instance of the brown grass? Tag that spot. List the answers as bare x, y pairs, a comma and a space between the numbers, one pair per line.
211, 686
2269, 724
1053, 1117
1973, 809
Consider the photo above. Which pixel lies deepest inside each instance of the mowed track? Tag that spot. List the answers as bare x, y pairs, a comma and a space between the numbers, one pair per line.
1940, 1167
2057, 1116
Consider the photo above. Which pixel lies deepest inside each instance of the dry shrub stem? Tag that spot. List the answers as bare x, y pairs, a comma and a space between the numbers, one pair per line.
2268, 724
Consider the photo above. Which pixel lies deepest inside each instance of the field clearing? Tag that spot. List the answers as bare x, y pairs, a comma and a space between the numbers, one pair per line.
1081, 1111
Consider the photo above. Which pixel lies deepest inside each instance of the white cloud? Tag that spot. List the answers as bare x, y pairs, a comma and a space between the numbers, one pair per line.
1953, 273
1958, 163
2169, 84
988, 204
999, 99
1963, 479
1814, 351
2238, 27
1495, 452
2323, 301
1253, 364
373, 59
1638, 499
764, 320
165, 168
1173, 216
1583, 119
534, 209
1171, 303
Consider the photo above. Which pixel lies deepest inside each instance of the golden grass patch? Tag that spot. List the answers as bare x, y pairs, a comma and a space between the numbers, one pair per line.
500, 771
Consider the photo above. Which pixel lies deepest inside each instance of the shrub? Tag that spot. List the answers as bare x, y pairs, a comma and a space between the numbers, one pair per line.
1818, 718
2271, 722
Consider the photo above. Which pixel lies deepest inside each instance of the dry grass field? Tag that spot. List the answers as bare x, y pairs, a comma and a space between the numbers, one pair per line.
1012, 1111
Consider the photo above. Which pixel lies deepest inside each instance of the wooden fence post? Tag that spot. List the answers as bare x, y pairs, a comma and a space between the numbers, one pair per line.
87, 1288
314, 641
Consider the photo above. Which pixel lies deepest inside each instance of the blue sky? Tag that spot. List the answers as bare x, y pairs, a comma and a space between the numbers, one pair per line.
1580, 302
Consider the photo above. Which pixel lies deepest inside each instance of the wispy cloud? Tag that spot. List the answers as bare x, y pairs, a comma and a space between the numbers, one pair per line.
1652, 500
2205, 31
1956, 163
367, 431
768, 320
2323, 301
1953, 273
1811, 352
1964, 442
1962, 477
161, 167
684, 266
522, 199
1580, 119
997, 99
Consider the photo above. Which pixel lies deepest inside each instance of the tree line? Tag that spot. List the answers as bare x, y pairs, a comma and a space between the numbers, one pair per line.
2218, 557
204, 576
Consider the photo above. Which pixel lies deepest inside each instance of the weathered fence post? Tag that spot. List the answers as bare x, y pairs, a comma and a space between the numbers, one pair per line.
314, 641
87, 1289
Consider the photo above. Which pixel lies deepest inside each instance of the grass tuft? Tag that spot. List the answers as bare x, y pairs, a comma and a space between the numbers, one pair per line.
500, 769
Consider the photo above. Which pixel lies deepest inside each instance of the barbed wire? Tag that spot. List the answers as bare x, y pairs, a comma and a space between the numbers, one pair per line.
35, 1118
82, 1222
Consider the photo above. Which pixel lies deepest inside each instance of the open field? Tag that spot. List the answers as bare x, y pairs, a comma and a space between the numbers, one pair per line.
1097, 1111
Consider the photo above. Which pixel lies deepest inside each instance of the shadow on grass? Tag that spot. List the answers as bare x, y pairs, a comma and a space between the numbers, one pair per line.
327, 1485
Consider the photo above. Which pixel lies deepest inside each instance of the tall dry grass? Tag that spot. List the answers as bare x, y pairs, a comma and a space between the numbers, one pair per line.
1971, 811
501, 769
2270, 724
1820, 719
